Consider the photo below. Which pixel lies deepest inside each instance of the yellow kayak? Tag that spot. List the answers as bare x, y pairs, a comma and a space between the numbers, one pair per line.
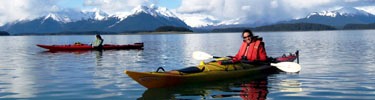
202, 73
173, 78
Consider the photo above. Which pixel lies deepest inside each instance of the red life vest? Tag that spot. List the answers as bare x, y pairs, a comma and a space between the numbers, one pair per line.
254, 51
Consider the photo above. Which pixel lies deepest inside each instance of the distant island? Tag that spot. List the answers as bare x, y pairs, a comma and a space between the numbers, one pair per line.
359, 26
70, 33
4, 33
275, 27
172, 29
160, 29
295, 27
281, 27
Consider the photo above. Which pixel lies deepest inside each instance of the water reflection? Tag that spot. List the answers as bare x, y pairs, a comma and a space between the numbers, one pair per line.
173, 93
16, 79
336, 65
108, 75
250, 88
289, 86
16, 82
98, 57
101, 71
211, 90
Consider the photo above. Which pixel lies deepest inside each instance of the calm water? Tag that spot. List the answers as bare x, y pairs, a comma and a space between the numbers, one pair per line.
336, 65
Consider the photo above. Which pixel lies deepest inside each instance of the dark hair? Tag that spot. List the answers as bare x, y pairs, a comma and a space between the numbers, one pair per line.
98, 36
249, 31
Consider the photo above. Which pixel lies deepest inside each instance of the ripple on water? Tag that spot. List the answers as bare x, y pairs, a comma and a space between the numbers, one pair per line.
335, 65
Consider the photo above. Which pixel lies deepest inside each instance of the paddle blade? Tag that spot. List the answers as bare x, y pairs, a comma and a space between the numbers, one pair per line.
198, 55
291, 67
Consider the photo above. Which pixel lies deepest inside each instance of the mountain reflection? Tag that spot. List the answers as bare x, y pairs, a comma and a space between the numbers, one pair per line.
17, 82
251, 87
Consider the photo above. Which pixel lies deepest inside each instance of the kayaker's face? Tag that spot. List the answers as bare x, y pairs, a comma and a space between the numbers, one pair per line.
246, 37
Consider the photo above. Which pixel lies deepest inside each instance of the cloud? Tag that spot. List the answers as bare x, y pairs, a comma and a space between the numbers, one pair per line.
370, 9
11, 10
115, 6
245, 11
263, 11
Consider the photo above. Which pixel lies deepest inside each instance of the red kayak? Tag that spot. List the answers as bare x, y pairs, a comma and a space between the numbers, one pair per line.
73, 47
289, 58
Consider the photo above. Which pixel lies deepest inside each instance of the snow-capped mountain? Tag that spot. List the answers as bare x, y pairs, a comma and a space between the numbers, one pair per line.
369, 9
142, 18
338, 18
71, 15
145, 18
346, 11
154, 11
199, 20
95, 14
40, 25
53, 22
204, 20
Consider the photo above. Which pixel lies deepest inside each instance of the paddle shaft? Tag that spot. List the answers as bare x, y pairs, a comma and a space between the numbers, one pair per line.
216, 57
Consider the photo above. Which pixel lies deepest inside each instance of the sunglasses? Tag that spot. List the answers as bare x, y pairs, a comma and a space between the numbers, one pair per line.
246, 37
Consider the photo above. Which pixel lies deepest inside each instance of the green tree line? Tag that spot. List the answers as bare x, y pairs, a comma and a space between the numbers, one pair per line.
281, 27
4, 33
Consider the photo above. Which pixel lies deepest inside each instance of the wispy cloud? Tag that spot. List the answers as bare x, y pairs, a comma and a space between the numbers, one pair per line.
11, 10
114, 6
245, 11
263, 11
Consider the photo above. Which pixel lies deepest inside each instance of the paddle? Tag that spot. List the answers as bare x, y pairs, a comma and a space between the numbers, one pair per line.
199, 55
283, 66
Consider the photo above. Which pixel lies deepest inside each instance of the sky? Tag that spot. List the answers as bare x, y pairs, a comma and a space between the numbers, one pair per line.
222, 11
170, 4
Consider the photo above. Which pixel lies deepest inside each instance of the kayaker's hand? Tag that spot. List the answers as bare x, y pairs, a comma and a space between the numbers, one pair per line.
230, 57
272, 60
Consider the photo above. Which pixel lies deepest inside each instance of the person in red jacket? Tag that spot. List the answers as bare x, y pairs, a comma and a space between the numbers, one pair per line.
252, 48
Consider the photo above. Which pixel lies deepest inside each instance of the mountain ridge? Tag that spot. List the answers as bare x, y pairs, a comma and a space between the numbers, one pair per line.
149, 18
143, 18
338, 18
